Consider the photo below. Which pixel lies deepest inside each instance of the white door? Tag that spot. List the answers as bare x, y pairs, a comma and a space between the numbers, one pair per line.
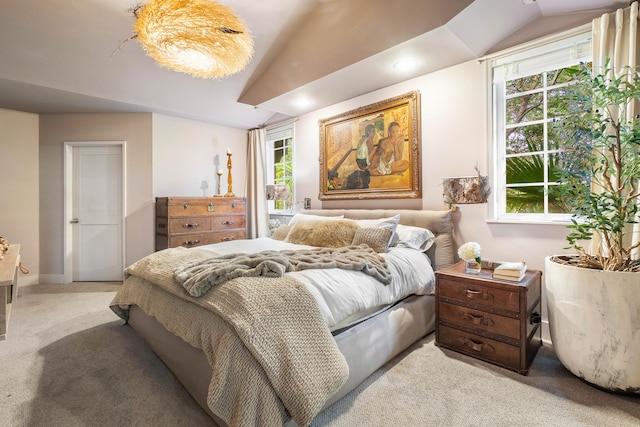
97, 213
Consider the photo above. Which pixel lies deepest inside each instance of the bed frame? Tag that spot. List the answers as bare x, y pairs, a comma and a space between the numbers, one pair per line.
366, 346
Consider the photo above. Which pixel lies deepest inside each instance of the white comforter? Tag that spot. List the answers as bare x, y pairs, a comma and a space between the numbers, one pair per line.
345, 296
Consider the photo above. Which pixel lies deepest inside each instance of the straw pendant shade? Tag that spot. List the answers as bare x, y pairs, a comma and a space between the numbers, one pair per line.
199, 37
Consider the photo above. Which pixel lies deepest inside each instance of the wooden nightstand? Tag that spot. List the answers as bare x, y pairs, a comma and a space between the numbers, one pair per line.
494, 320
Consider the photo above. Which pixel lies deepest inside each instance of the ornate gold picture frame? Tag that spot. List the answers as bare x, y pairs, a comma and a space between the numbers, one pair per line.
372, 152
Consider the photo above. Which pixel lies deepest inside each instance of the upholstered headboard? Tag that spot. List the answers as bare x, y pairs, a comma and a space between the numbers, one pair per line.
439, 222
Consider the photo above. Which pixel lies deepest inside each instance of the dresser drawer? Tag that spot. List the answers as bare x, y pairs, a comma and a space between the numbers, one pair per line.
219, 206
480, 320
182, 225
228, 222
189, 225
480, 347
472, 293
191, 240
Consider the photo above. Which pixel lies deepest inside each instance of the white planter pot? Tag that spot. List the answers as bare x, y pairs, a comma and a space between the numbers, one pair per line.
594, 320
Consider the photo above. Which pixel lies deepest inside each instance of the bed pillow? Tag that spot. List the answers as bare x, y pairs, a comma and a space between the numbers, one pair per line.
390, 223
322, 233
414, 237
299, 217
376, 238
281, 232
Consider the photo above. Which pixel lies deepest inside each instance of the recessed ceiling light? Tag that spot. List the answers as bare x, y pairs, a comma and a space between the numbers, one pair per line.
405, 65
303, 102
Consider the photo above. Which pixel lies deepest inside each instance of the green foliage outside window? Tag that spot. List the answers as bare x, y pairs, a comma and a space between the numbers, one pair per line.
532, 148
283, 169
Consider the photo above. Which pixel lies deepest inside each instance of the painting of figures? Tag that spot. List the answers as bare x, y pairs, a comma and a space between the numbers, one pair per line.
372, 152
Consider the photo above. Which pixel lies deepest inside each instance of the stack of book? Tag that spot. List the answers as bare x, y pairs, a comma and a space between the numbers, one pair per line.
510, 271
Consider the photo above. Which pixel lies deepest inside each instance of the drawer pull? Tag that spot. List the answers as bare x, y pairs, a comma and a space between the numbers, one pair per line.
186, 206
228, 222
210, 207
471, 294
535, 318
191, 242
233, 205
194, 225
475, 345
162, 225
477, 320
228, 238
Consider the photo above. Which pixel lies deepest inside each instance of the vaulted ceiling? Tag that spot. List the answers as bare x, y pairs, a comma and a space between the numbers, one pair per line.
67, 56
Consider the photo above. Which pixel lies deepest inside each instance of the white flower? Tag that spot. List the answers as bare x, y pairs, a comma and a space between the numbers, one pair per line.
470, 251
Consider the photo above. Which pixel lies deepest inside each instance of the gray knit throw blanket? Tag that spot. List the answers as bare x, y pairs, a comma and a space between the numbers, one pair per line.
200, 276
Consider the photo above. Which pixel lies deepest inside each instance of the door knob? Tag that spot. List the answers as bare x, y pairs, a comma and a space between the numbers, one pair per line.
74, 221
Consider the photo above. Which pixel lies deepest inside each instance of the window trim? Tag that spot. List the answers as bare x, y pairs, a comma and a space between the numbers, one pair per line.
279, 132
496, 106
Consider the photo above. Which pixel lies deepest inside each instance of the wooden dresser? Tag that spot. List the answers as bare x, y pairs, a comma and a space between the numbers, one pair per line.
195, 221
8, 285
494, 320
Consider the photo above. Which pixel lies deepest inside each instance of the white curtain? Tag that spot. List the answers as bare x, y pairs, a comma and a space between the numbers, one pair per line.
257, 223
615, 37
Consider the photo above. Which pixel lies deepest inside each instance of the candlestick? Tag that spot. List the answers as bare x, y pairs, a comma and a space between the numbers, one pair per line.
219, 179
229, 179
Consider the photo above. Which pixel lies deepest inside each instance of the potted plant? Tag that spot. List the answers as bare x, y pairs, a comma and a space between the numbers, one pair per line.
593, 296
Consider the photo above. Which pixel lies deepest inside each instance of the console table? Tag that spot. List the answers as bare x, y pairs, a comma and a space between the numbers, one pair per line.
8, 285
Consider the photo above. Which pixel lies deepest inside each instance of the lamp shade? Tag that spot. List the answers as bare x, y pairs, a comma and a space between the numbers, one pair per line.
199, 37
466, 189
277, 192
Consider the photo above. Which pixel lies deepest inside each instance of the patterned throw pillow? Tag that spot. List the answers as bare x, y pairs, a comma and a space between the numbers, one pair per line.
391, 223
376, 238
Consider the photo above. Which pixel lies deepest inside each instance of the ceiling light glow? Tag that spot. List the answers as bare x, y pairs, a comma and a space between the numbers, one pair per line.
405, 65
303, 102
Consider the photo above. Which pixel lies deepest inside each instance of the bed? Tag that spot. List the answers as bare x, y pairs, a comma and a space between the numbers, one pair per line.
363, 341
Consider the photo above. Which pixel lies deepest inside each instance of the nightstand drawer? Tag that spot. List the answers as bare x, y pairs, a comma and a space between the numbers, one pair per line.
477, 346
476, 319
472, 293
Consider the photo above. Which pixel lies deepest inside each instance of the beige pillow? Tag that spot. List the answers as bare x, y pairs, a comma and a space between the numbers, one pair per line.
328, 234
281, 232
376, 238
299, 217
391, 222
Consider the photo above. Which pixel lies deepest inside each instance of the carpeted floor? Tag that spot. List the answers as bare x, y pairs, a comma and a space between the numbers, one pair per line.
69, 361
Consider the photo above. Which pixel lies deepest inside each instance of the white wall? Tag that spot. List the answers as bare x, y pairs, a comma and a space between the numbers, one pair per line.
455, 138
165, 156
188, 153
55, 130
19, 193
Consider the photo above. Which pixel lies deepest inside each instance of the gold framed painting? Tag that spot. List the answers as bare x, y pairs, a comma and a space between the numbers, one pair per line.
372, 152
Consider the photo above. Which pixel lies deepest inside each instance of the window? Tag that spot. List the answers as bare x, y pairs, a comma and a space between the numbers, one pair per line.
528, 97
280, 163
